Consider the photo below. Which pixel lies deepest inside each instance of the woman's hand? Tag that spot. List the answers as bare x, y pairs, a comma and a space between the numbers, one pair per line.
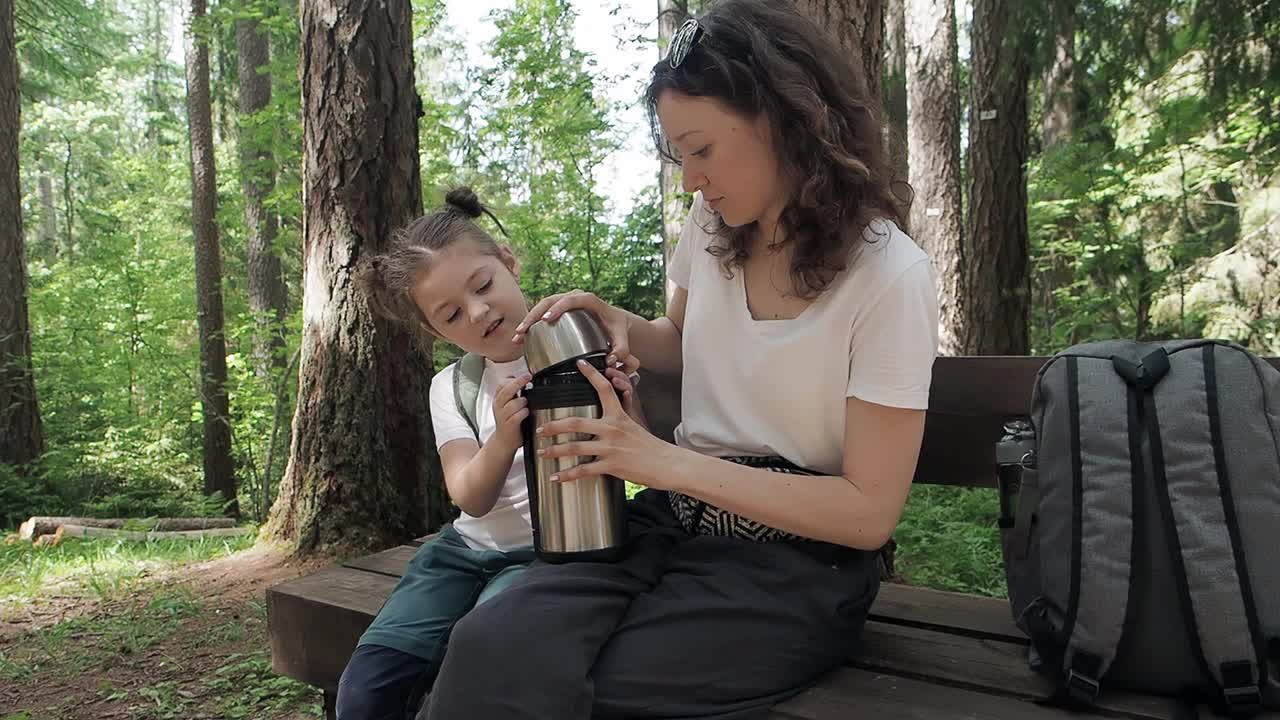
509, 411
616, 322
621, 446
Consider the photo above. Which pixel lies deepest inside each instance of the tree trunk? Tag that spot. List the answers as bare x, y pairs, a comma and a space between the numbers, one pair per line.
81, 531
1059, 77
68, 207
362, 471
21, 434
48, 214
671, 13
218, 472
933, 141
40, 525
257, 168
858, 25
1057, 127
994, 302
895, 88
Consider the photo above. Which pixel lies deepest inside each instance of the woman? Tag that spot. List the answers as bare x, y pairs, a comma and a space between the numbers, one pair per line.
804, 326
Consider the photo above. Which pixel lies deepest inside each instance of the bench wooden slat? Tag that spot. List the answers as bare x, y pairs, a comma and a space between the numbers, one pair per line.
989, 666
973, 615
315, 621
390, 562
970, 399
920, 607
986, 385
343, 600
852, 693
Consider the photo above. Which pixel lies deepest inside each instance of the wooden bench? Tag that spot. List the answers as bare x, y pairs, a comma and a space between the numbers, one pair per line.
925, 653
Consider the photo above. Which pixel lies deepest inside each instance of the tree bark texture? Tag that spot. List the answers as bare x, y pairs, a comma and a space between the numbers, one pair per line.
257, 166
895, 88
362, 471
219, 475
21, 433
48, 215
671, 14
933, 140
1058, 121
994, 302
40, 525
858, 25
1058, 117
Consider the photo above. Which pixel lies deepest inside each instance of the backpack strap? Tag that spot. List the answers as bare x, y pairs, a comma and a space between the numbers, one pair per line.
1209, 563
466, 388
1103, 425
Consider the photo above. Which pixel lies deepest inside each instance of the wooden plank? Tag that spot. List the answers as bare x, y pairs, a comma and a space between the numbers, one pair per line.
390, 562
997, 385
315, 621
987, 385
992, 667
853, 693
970, 400
660, 399
959, 450
960, 613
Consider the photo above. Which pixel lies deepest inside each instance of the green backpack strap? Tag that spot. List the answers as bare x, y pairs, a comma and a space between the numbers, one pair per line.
466, 388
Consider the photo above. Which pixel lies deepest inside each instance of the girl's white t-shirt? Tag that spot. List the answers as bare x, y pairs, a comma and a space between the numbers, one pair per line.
779, 387
507, 526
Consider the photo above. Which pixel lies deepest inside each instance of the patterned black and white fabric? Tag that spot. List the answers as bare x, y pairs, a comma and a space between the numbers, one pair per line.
703, 518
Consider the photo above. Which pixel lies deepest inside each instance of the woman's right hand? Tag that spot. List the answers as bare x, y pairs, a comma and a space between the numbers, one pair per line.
615, 322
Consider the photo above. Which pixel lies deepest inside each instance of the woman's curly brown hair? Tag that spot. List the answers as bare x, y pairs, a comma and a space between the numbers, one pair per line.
763, 56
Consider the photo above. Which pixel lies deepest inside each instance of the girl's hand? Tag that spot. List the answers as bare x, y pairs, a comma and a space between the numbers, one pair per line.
509, 411
626, 385
615, 321
621, 446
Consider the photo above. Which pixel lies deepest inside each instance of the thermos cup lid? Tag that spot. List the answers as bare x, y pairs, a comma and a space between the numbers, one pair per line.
573, 335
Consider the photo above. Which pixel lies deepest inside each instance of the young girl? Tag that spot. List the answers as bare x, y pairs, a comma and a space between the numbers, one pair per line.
447, 276
804, 326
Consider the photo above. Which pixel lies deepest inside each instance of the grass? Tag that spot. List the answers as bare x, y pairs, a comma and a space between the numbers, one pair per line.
239, 685
163, 649
101, 567
948, 540
75, 645
247, 688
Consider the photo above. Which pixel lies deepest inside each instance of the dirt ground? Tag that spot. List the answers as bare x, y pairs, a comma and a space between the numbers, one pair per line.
190, 642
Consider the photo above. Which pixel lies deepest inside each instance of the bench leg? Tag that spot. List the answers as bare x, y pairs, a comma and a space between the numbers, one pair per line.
330, 705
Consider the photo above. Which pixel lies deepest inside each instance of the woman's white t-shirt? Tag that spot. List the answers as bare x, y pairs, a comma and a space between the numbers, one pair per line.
779, 387
507, 526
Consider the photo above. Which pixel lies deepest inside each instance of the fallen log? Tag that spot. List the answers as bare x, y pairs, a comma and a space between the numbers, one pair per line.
81, 531
37, 526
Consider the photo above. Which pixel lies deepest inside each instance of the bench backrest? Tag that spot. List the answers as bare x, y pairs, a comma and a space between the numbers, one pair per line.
970, 400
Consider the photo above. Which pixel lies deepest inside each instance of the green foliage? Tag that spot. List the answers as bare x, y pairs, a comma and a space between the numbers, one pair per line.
1156, 219
60, 42
249, 689
947, 539
20, 493
112, 288
530, 133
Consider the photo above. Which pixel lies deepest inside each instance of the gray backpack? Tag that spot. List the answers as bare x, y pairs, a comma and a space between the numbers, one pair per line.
466, 389
1143, 549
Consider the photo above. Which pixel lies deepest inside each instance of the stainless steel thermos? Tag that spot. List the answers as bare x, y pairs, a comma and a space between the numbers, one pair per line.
583, 519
